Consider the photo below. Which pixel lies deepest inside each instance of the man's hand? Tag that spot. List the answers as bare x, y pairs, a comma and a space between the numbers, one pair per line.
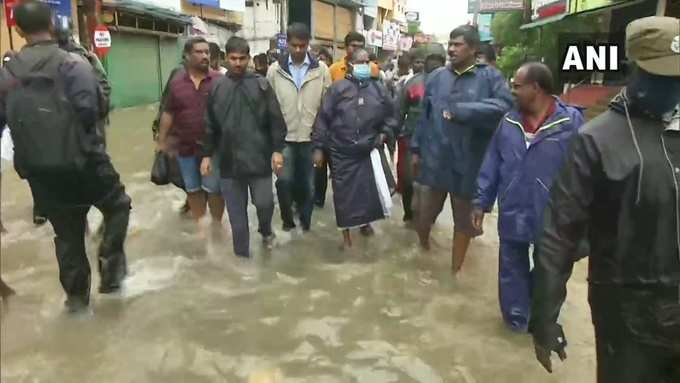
543, 355
161, 146
415, 163
319, 160
477, 218
448, 116
277, 163
206, 166
381, 141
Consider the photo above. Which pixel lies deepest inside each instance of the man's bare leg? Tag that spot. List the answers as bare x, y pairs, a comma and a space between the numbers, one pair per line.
346, 239
461, 243
433, 203
197, 204
216, 205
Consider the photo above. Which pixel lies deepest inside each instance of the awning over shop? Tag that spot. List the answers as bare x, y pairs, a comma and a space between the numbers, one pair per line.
544, 21
143, 9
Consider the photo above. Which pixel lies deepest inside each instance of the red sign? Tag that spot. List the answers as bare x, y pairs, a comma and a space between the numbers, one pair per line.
102, 40
9, 12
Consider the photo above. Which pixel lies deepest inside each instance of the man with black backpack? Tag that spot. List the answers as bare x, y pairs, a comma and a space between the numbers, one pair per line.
52, 101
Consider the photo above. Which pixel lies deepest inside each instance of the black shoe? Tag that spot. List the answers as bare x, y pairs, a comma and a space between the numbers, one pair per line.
76, 304
287, 227
367, 231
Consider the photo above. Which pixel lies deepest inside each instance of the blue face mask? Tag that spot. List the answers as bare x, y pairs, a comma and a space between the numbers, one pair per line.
654, 94
361, 72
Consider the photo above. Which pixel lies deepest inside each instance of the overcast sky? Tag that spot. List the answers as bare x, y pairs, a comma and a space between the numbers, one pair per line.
440, 16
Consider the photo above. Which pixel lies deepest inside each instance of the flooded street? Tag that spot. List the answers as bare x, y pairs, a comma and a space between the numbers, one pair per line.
306, 312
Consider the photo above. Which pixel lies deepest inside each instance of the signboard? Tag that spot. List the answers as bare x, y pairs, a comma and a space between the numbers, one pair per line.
371, 11
484, 26
9, 12
60, 7
473, 6
490, 6
233, 5
412, 16
102, 40
540, 9
576, 6
390, 36
405, 43
282, 41
413, 27
374, 38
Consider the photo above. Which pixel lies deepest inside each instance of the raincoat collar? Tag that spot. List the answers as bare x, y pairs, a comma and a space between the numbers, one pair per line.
552, 124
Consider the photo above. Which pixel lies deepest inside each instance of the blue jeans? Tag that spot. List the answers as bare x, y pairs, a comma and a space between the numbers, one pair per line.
190, 167
296, 184
514, 284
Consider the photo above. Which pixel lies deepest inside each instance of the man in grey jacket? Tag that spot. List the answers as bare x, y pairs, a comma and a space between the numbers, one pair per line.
300, 82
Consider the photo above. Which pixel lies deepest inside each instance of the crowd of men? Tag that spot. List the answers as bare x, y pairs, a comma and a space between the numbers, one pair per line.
609, 189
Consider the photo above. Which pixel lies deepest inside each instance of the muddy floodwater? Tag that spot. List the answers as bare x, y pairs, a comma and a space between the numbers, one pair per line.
305, 312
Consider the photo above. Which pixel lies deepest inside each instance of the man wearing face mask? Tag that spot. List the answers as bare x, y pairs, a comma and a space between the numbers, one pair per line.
620, 188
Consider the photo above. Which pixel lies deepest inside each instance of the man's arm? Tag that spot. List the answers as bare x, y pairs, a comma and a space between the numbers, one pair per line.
486, 112
82, 90
487, 180
564, 226
212, 127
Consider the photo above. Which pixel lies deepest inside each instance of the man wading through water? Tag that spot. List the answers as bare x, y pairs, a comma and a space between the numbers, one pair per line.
183, 119
245, 133
462, 106
66, 179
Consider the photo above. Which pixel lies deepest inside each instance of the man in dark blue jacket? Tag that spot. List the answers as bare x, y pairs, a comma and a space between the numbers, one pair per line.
523, 158
461, 109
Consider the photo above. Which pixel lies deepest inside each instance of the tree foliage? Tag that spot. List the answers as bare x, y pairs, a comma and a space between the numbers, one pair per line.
538, 43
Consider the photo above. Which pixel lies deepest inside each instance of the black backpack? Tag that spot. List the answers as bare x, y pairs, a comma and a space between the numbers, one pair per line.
47, 133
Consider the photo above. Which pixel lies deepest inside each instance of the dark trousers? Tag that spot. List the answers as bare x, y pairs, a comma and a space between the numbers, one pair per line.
650, 352
405, 176
296, 184
514, 284
66, 199
235, 192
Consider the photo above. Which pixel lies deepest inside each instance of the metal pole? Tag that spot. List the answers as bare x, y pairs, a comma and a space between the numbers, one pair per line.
11, 37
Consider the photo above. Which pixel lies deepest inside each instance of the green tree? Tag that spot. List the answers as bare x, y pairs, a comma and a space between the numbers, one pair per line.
539, 43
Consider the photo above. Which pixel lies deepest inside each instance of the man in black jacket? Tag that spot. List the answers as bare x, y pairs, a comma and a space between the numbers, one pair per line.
246, 130
67, 195
620, 189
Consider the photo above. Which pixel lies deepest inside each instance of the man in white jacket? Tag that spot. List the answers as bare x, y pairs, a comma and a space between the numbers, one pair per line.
300, 82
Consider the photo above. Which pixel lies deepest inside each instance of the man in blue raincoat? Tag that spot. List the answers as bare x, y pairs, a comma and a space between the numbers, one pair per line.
462, 106
524, 156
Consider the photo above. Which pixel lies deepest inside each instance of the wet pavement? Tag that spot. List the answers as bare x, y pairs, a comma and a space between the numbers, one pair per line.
306, 312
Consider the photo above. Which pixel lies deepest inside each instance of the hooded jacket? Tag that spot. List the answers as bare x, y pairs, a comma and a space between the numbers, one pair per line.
519, 170
620, 188
451, 151
299, 107
244, 126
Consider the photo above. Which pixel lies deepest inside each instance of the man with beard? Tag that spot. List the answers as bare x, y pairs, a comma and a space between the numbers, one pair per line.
620, 189
183, 119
